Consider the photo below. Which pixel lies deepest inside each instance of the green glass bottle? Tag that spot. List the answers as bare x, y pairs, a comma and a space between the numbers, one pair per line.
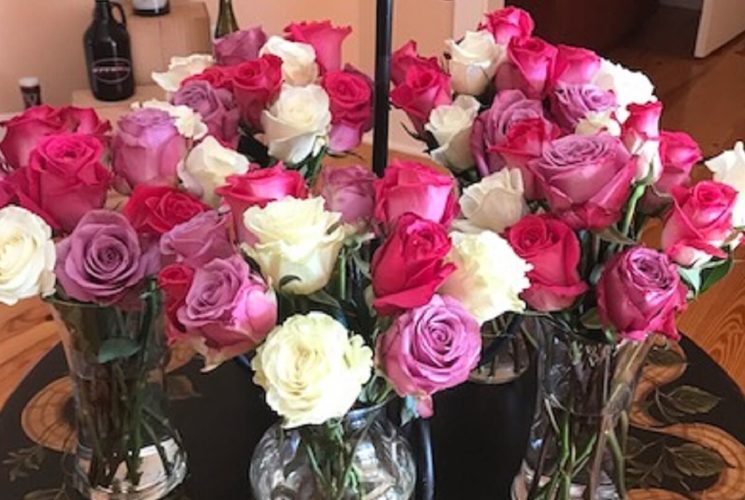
226, 21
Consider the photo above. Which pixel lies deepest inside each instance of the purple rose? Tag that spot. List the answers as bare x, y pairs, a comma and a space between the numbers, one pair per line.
429, 349
349, 190
228, 310
240, 46
572, 103
217, 107
147, 149
102, 259
199, 240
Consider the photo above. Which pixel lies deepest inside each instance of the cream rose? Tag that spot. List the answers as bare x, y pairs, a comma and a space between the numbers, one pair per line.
295, 238
630, 87
311, 369
298, 123
187, 121
474, 61
27, 255
595, 122
451, 126
181, 68
298, 60
729, 168
496, 202
207, 166
489, 276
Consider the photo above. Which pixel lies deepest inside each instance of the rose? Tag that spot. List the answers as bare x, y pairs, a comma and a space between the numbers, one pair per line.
102, 260
28, 257
155, 210
147, 149
496, 202
299, 66
423, 89
350, 94
227, 311
329, 369
641, 135
599, 121
23, 132
295, 238
238, 47
451, 126
325, 39
678, 154
198, 240
508, 23
258, 187
552, 248
257, 83
298, 123
473, 62
429, 349
181, 68
729, 168
412, 187
528, 67
525, 141
700, 223
640, 292
629, 87
575, 65
218, 77
489, 276
405, 57
174, 280
586, 179
349, 190
216, 107
570, 104
207, 167
410, 266
187, 121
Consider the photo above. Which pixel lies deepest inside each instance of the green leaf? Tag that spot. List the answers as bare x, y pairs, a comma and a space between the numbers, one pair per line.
408, 410
692, 400
662, 356
117, 348
591, 320
613, 235
692, 278
322, 297
695, 460
711, 276
286, 280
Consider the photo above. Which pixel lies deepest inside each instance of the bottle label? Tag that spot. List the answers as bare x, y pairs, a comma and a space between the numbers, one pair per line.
112, 70
149, 5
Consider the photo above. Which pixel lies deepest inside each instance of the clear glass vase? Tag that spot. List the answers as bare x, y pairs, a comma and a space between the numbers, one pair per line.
505, 355
127, 448
362, 456
577, 439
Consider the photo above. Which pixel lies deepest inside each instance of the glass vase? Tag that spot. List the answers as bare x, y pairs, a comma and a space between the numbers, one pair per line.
362, 456
127, 448
505, 355
577, 439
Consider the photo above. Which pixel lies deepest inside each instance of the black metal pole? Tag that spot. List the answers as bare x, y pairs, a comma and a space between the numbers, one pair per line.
384, 26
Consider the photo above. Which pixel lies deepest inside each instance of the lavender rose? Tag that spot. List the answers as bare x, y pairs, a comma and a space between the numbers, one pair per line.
429, 349
349, 190
199, 240
239, 47
572, 103
102, 259
217, 107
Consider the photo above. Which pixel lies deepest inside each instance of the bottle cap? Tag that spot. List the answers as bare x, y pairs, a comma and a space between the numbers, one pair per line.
29, 81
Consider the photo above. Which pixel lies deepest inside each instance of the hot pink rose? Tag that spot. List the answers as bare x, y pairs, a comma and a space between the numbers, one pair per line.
256, 84
508, 23
529, 67
586, 179
413, 187
429, 349
642, 130
422, 90
325, 39
525, 141
678, 154
700, 222
574, 65
219, 77
174, 280
155, 210
198, 240
238, 47
405, 57
217, 108
639, 293
351, 96
552, 248
349, 190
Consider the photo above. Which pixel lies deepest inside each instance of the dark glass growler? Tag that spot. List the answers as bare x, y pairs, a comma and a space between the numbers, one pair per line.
108, 54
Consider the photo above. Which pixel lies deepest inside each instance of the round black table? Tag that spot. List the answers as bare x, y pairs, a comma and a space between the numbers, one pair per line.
479, 432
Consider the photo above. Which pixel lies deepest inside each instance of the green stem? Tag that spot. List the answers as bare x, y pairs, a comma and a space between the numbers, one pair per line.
617, 451
635, 197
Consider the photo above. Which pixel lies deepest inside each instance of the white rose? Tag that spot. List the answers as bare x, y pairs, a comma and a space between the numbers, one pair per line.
27, 255
648, 161
595, 122
187, 121
490, 276
297, 124
496, 202
729, 168
207, 166
474, 61
295, 238
630, 87
299, 66
181, 68
311, 369
451, 126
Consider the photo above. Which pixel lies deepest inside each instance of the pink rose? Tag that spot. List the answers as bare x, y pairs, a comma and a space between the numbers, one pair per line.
429, 349
325, 39
238, 47
552, 248
529, 67
412, 187
351, 96
508, 23
639, 293
678, 154
174, 280
525, 141
198, 240
642, 130
217, 108
574, 65
219, 77
405, 57
349, 190
571, 103
586, 179
699, 223
422, 90
155, 210
256, 84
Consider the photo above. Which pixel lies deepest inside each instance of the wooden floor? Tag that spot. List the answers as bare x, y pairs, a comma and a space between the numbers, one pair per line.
703, 97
